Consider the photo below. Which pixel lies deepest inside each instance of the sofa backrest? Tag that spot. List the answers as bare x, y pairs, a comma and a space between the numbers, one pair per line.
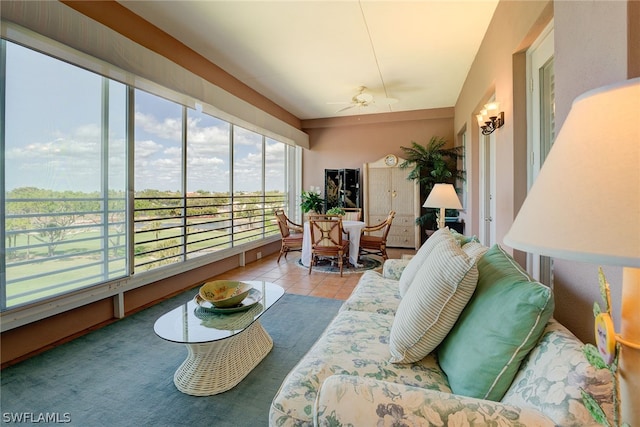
553, 373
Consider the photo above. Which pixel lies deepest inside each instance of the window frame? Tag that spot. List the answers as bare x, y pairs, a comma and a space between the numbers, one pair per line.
19, 315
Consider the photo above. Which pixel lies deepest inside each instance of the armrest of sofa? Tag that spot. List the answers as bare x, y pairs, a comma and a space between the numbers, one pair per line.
351, 400
552, 376
393, 268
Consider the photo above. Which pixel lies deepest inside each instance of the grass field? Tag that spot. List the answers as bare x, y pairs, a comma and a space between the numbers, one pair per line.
78, 261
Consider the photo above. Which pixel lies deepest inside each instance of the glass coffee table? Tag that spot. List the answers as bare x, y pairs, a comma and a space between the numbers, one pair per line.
223, 345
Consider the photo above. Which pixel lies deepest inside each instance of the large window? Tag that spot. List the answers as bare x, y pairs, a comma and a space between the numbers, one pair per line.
159, 183
64, 169
208, 184
80, 148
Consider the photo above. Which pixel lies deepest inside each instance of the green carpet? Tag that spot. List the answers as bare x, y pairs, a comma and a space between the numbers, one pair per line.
326, 266
122, 375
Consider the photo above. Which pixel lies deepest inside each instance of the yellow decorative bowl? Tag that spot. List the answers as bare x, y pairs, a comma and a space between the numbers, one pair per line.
224, 293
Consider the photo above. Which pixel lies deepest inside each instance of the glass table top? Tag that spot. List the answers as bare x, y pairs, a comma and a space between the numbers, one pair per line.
197, 322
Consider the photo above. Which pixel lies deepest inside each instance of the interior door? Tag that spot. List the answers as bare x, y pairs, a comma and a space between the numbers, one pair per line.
488, 179
541, 112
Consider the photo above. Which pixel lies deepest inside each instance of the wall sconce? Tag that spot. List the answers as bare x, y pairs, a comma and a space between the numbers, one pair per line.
490, 118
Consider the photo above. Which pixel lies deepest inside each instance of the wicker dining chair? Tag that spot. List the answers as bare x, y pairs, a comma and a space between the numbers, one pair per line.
291, 234
352, 214
327, 241
373, 239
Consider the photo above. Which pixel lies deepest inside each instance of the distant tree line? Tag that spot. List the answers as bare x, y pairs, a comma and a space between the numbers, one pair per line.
49, 215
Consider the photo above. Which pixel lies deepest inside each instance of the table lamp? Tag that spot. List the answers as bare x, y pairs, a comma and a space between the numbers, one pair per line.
589, 182
442, 196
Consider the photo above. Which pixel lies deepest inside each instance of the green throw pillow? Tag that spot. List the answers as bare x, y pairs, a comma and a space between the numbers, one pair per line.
499, 326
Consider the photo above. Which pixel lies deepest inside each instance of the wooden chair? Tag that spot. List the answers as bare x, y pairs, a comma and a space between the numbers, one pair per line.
327, 241
373, 240
317, 216
291, 234
353, 214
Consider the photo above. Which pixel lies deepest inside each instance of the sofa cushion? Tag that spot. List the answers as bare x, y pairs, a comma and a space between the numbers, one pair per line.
440, 290
345, 400
393, 268
355, 343
375, 294
551, 377
499, 326
419, 258
474, 249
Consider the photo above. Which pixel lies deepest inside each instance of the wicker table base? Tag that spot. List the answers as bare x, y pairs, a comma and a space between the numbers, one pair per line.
218, 366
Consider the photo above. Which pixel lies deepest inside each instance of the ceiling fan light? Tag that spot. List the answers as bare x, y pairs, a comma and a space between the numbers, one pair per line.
363, 98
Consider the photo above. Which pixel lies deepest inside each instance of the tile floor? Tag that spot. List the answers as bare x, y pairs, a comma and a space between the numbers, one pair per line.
297, 280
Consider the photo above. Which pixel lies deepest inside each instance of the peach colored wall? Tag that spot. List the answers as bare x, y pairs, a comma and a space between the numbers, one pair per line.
633, 38
514, 26
592, 48
591, 41
349, 142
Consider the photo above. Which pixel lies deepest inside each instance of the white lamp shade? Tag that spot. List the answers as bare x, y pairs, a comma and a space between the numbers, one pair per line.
585, 203
443, 196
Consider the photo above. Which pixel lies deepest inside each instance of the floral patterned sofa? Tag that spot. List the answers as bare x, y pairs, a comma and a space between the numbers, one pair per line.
347, 378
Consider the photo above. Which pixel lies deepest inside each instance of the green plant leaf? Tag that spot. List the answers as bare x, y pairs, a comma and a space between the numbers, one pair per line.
603, 289
596, 309
593, 356
311, 201
594, 409
336, 211
432, 164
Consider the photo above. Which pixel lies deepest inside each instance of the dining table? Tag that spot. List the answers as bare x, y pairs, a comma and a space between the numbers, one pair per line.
352, 230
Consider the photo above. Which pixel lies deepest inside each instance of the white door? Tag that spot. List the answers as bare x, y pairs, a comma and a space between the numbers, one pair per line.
541, 112
488, 180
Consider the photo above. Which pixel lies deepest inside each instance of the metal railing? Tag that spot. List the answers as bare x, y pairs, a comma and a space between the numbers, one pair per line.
178, 228
53, 246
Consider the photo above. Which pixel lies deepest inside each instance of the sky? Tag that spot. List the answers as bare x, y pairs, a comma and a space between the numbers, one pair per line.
53, 132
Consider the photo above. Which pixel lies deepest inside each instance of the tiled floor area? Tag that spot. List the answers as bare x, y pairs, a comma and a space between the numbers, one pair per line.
297, 280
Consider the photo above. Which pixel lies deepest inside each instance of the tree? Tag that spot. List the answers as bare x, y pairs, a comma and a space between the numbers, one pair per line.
51, 212
432, 164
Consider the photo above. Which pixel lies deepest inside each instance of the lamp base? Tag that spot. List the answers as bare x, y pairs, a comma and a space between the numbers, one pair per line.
441, 219
629, 362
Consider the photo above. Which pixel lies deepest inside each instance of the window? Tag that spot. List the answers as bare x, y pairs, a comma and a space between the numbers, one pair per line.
158, 181
199, 184
64, 205
208, 184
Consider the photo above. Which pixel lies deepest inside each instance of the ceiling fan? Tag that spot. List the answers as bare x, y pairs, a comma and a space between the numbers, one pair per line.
364, 99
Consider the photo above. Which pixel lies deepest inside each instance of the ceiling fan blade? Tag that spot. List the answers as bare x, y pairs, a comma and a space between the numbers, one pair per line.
364, 100
346, 108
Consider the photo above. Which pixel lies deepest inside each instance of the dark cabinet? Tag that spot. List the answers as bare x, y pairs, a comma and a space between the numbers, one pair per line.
342, 188
455, 225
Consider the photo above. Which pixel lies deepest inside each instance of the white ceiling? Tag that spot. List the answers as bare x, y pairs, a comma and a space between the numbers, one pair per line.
303, 55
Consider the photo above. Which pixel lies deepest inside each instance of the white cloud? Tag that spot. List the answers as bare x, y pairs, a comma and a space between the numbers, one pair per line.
169, 128
146, 148
67, 162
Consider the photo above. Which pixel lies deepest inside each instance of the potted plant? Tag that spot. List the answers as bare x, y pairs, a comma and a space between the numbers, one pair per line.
432, 164
336, 211
311, 202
